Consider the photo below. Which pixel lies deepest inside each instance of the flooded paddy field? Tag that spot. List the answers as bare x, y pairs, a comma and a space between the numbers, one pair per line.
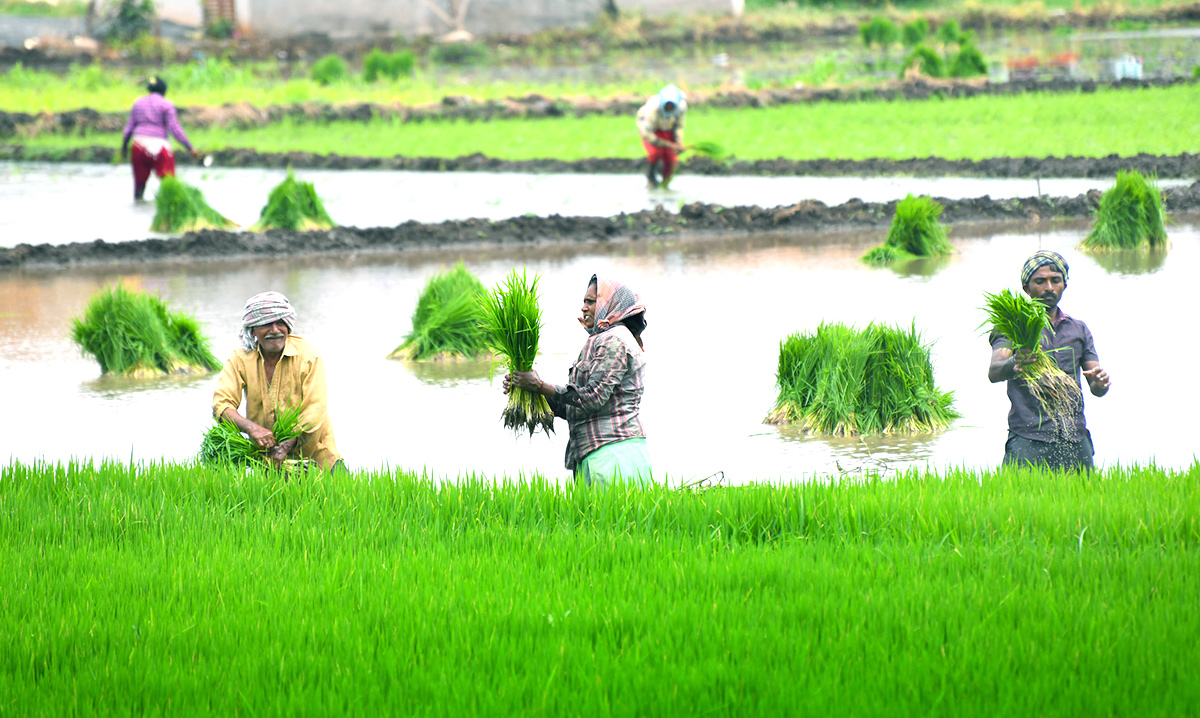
717, 309
66, 203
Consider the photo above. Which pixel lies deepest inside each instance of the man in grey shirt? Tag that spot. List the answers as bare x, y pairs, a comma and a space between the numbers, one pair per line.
1033, 437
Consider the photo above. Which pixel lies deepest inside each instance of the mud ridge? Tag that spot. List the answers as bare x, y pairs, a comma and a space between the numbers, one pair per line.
692, 220
461, 107
1183, 166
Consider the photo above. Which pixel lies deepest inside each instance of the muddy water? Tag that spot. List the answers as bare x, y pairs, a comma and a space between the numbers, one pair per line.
63, 203
717, 310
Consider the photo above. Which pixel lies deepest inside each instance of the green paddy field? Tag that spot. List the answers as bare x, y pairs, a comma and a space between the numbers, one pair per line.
163, 589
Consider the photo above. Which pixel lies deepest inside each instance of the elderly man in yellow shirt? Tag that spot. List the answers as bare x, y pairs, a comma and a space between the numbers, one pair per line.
276, 369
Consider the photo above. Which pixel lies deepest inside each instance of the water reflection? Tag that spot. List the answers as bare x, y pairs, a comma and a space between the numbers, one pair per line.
1130, 261
717, 308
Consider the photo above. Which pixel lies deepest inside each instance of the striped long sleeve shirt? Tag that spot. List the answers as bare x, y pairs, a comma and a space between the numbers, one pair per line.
154, 116
604, 391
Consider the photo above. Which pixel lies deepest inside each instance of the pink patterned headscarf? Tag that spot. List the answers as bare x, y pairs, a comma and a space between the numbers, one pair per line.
614, 302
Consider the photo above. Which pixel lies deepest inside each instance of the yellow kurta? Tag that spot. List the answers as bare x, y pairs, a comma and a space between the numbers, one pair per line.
299, 380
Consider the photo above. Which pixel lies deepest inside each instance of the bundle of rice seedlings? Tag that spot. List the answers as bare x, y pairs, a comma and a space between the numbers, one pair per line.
512, 323
712, 150
136, 334
1131, 215
225, 445
446, 322
180, 207
842, 381
915, 232
293, 205
1022, 320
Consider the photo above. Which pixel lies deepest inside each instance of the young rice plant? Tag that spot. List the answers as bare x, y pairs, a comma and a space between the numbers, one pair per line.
293, 205
1022, 320
512, 322
1131, 215
843, 381
446, 323
135, 334
915, 232
180, 207
225, 445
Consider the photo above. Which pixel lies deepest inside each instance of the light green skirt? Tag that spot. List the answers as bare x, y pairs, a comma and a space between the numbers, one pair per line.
620, 461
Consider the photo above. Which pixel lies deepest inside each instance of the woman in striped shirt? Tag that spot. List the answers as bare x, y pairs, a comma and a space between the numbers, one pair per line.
151, 122
603, 394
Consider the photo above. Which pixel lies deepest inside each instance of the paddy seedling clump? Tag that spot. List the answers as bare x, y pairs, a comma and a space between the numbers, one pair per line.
1023, 320
512, 323
136, 334
446, 325
295, 206
842, 381
180, 207
916, 232
1131, 215
225, 445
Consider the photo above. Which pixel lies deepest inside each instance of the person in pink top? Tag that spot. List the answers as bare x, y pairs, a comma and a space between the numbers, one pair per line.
151, 122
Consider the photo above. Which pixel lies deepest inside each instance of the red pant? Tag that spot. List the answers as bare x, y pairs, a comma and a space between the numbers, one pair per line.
662, 154
163, 164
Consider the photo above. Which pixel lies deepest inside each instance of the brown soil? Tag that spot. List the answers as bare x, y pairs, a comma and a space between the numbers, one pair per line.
693, 220
1184, 166
243, 116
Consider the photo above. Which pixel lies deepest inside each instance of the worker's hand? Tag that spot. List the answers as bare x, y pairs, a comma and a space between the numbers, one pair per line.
1021, 359
262, 437
527, 380
677, 148
196, 154
1097, 378
125, 152
280, 451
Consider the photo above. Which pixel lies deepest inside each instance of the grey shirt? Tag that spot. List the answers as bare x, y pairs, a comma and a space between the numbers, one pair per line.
1075, 345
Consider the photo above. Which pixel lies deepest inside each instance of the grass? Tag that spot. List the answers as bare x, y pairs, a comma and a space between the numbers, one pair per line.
915, 232
1023, 321
446, 322
1131, 215
180, 207
512, 325
293, 205
842, 381
136, 334
1126, 122
32, 8
170, 589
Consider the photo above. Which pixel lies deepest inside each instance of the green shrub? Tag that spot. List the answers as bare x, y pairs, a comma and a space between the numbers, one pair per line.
460, 53
926, 58
136, 334
949, 32
129, 20
446, 322
221, 29
968, 62
329, 69
379, 64
1131, 215
915, 32
1196, 72
879, 31
843, 381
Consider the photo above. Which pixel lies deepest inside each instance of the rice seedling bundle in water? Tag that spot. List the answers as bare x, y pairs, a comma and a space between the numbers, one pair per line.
842, 381
1131, 215
712, 150
293, 205
225, 445
180, 207
446, 323
915, 232
1022, 321
512, 322
137, 334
